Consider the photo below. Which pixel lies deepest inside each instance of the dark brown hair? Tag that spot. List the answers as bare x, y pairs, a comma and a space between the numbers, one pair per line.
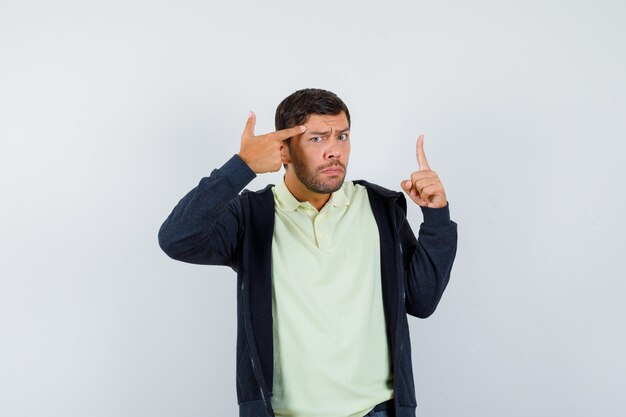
295, 109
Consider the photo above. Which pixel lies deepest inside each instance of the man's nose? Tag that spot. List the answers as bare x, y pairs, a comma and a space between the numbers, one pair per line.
333, 151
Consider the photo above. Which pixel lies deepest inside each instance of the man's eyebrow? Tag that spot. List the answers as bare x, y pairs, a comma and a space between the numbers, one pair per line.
325, 132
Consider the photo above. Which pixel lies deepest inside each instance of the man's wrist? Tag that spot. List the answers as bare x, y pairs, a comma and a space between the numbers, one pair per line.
436, 216
246, 160
237, 171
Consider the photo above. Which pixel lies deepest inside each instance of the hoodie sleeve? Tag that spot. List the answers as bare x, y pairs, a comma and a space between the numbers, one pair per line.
428, 259
205, 226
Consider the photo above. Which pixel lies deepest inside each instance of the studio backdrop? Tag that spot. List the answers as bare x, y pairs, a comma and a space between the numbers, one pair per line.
111, 111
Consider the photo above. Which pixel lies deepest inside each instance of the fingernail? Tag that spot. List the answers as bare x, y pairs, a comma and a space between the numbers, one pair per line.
249, 115
407, 183
302, 128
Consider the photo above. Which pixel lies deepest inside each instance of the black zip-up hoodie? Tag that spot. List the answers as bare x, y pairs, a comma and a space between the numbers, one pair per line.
216, 225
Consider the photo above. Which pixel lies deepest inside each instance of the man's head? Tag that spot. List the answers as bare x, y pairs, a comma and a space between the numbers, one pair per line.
317, 159
295, 109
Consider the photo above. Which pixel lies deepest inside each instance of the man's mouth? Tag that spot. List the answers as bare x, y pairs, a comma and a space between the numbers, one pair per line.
334, 169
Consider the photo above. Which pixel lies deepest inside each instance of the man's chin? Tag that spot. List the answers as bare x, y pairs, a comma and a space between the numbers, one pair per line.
322, 183
332, 185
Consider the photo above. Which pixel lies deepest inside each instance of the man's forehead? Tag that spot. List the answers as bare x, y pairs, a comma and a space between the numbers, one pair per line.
335, 121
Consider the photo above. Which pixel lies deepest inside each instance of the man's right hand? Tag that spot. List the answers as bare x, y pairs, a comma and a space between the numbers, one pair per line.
262, 153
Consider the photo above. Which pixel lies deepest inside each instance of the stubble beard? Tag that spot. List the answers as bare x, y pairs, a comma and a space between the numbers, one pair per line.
312, 178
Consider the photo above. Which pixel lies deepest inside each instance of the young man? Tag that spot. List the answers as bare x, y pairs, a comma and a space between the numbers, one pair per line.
327, 270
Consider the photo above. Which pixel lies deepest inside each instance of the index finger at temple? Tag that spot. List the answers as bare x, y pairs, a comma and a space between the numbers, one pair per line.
288, 133
422, 162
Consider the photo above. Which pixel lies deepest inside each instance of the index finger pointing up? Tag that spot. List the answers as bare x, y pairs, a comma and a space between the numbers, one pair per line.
421, 156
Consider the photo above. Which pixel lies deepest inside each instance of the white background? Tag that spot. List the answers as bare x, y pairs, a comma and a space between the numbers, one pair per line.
111, 111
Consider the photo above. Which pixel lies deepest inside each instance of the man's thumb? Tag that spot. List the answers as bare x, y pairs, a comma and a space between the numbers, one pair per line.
249, 129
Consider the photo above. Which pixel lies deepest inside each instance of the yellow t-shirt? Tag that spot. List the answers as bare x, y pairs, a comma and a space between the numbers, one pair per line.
331, 357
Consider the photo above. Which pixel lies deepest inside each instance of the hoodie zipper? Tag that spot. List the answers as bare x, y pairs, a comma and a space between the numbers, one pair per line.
248, 333
400, 272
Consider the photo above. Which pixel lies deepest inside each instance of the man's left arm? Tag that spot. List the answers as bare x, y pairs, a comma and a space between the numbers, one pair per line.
427, 260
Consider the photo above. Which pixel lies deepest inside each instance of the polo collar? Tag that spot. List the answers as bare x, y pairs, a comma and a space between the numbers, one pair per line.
287, 202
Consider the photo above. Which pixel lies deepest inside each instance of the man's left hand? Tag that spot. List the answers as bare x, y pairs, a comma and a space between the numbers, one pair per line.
424, 187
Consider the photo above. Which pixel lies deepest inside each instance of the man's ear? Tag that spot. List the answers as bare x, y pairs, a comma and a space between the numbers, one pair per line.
284, 153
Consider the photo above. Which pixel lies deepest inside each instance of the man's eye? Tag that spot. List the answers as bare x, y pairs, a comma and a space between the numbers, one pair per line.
316, 139
343, 137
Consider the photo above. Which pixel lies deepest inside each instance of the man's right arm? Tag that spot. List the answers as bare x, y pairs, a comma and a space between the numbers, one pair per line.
204, 226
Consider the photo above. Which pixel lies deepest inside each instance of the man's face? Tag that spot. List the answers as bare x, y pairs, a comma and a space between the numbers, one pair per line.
318, 158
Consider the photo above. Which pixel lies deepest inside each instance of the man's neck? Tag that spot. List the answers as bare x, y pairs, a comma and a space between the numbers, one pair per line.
302, 193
